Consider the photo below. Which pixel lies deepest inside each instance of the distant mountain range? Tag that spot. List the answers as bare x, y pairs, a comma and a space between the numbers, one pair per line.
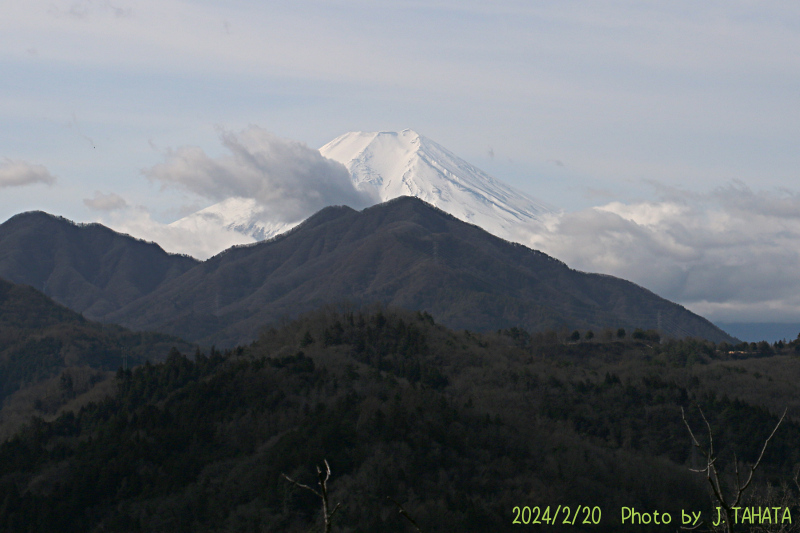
388, 165
759, 331
404, 253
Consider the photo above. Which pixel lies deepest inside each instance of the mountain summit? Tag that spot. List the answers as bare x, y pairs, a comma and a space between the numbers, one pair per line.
394, 164
388, 165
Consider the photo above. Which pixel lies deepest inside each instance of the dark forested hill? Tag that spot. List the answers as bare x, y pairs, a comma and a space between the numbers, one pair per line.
458, 428
87, 267
404, 253
49, 354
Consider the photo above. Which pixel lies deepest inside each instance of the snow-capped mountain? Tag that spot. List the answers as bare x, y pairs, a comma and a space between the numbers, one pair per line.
388, 165
392, 164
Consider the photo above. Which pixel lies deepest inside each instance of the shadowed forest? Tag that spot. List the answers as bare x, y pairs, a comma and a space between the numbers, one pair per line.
457, 427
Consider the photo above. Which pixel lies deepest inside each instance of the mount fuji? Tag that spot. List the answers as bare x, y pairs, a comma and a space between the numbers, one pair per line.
387, 165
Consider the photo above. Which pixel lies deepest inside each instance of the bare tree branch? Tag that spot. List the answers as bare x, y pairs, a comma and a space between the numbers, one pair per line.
404, 513
323, 477
711, 470
761, 456
287, 478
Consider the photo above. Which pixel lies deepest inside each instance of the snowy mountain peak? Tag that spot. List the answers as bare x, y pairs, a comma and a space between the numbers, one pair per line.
405, 163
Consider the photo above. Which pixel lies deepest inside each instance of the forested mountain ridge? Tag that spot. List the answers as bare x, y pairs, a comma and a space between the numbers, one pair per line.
403, 253
458, 427
87, 267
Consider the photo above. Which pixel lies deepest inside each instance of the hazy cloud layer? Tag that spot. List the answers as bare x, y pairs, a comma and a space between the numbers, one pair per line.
15, 173
732, 254
83, 9
105, 202
287, 178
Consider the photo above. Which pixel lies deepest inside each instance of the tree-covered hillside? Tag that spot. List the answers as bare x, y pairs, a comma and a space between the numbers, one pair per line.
458, 428
50, 355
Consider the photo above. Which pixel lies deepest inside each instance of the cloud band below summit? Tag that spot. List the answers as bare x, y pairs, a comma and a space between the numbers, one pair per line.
287, 178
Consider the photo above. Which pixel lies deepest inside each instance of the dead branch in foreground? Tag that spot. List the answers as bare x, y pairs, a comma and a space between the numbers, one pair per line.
713, 475
323, 494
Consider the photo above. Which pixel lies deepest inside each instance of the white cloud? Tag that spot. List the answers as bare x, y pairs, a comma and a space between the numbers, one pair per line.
287, 178
105, 202
732, 254
16, 173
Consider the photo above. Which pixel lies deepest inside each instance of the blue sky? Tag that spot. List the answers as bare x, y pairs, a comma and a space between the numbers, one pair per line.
666, 131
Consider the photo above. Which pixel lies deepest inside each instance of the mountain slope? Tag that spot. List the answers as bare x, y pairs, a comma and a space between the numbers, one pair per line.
39, 336
40, 340
87, 267
404, 253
